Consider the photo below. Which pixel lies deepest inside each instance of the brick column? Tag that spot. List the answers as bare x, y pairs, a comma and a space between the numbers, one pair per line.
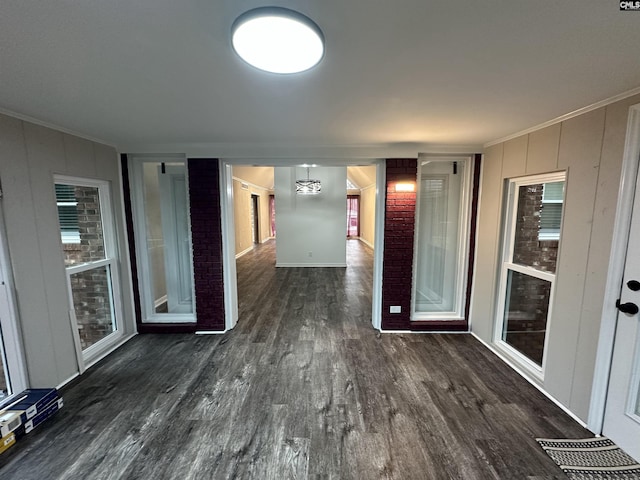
206, 235
399, 224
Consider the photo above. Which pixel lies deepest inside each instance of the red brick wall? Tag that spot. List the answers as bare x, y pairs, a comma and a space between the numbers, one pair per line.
206, 234
399, 224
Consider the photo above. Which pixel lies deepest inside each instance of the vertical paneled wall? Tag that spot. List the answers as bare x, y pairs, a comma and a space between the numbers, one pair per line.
399, 226
589, 148
206, 233
29, 157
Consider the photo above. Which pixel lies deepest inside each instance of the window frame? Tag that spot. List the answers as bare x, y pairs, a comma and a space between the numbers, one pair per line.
510, 215
110, 261
145, 286
458, 313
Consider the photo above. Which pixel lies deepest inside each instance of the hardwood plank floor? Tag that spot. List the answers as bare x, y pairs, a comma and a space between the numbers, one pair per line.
302, 388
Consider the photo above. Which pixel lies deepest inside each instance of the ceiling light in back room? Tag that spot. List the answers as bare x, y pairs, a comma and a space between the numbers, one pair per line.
277, 40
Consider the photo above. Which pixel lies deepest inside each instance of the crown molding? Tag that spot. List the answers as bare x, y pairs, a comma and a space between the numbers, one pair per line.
53, 126
567, 116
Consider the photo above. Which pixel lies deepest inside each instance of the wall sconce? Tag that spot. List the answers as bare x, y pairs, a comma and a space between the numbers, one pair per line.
405, 187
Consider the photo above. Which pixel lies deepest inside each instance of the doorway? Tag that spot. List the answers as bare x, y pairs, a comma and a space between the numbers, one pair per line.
232, 183
255, 218
617, 391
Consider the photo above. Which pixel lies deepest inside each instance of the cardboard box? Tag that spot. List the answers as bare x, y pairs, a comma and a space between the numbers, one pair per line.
10, 421
44, 414
6, 442
31, 401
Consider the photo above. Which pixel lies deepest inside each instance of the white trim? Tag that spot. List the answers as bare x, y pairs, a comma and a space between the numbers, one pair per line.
366, 243
136, 181
617, 257
245, 251
124, 340
315, 265
159, 301
108, 351
27, 118
474, 228
462, 244
253, 185
567, 116
209, 332
378, 250
522, 373
228, 231
109, 263
10, 320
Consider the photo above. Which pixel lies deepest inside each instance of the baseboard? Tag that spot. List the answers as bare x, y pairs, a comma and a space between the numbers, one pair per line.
366, 243
97, 359
522, 373
160, 301
315, 265
244, 252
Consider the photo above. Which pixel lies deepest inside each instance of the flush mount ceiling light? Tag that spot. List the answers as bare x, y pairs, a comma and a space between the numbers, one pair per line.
277, 40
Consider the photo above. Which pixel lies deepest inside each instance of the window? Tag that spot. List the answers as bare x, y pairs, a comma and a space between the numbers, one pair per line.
533, 218
164, 253
551, 211
90, 257
441, 256
353, 215
67, 213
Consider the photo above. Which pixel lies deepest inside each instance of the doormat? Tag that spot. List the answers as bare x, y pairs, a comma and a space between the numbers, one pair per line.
591, 459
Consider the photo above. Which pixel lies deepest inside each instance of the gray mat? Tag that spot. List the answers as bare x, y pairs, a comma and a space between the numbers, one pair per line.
591, 459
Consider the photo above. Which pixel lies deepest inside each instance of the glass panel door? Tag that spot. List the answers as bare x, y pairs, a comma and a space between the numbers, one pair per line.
88, 243
530, 251
442, 239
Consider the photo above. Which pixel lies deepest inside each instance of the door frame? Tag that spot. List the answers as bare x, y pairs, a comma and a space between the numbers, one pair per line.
228, 228
136, 172
11, 335
608, 323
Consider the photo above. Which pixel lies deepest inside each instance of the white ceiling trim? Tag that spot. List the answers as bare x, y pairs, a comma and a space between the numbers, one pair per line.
253, 185
42, 123
567, 116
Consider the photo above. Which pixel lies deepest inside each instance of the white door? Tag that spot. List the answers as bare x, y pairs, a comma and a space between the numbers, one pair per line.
622, 413
175, 230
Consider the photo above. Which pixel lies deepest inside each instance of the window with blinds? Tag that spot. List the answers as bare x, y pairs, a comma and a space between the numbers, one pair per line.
551, 211
67, 213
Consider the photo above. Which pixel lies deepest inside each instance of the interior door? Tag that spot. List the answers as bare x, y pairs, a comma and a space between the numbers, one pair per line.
622, 413
175, 228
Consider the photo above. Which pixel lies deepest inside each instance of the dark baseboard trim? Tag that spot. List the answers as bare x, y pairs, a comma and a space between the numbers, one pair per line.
167, 327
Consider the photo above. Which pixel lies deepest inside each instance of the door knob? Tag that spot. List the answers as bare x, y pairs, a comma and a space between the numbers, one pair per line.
630, 308
633, 285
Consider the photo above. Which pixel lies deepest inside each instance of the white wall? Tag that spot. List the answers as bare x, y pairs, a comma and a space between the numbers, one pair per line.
311, 223
29, 157
589, 148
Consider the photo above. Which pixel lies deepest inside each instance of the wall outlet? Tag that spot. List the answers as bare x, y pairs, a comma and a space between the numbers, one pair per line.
395, 309
310, 254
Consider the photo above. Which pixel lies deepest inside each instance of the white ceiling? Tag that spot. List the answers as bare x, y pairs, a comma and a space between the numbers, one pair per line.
403, 72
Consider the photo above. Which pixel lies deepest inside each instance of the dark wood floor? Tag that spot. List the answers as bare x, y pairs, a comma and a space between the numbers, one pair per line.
303, 387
